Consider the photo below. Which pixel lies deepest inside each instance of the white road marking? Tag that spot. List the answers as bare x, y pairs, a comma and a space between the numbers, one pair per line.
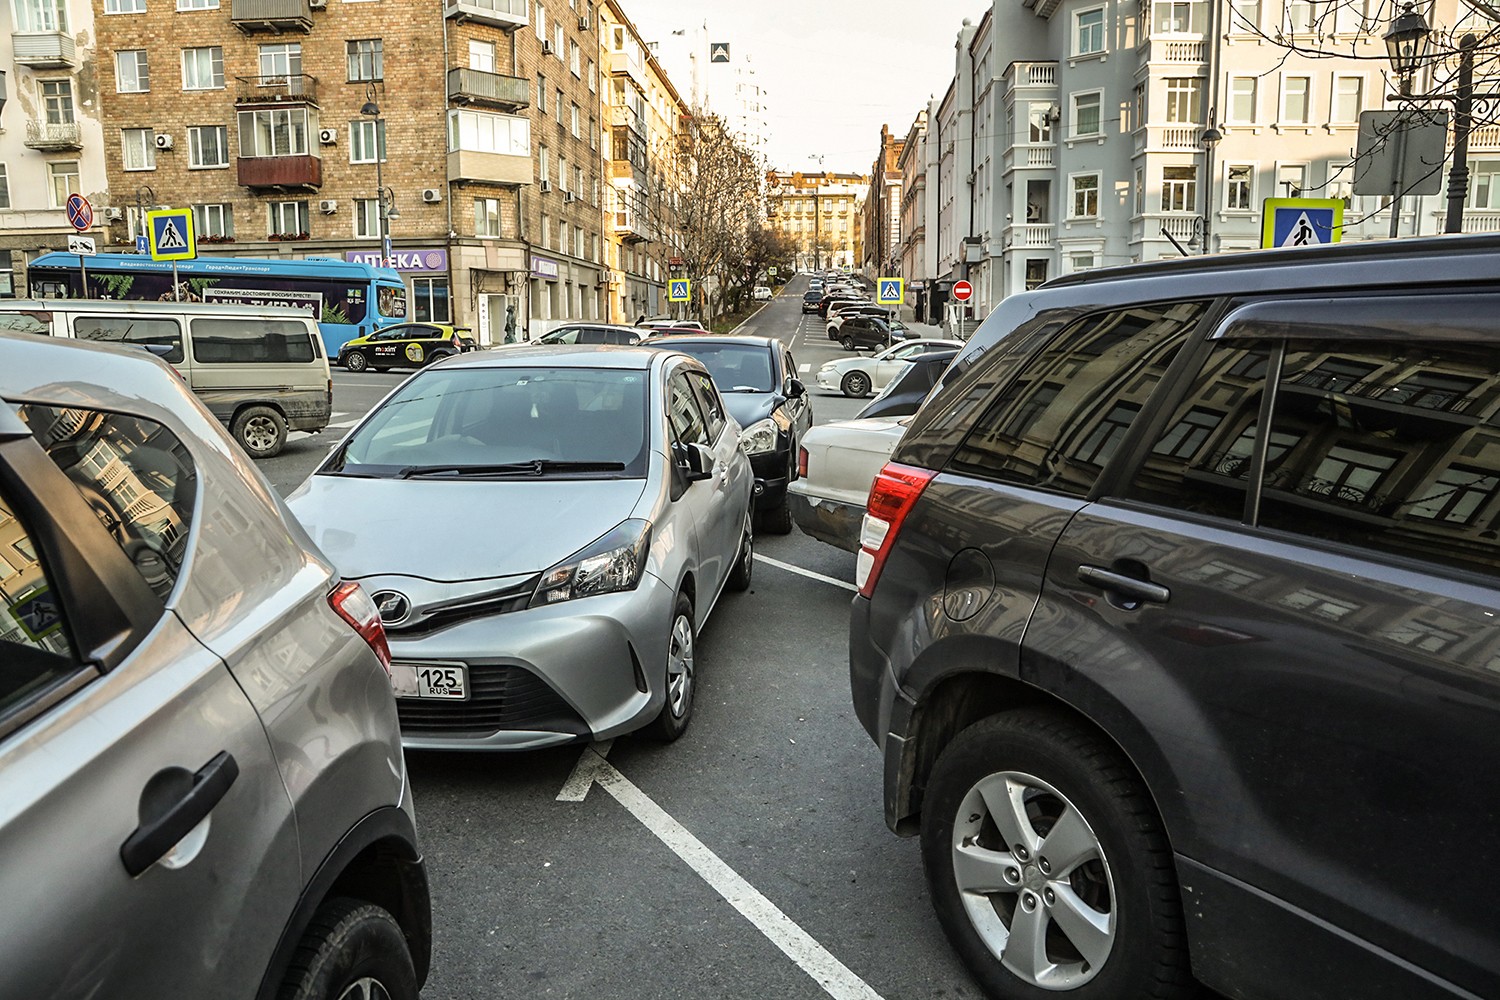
804, 368
811, 957
805, 572
588, 769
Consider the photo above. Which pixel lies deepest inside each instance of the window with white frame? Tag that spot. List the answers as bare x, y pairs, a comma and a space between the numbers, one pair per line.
1291, 180
557, 106
215, 221
546, 231
1140, 190
1239, 187
366, 59
1088, 32
1179, 189
62, 180
1039, 122
203, 68
1360, 17
487, 217
562, 172
367, 218
1243, 92
1180, 17
1085, 200
1484, 184
4, 188
1082, 260
366, 141
124, 6
1348, 99
42, 15
279, 64
573, 127
286, 218
578, 181
131, 73
197, 4
1138, 102
575, 59
593, 132
1184, 99
1301, 16
139, 148
562, 235
208, 146
1296, 93
543, 163
482, 55
557, 38
1086, 114
483, 132
1244, 16
1340, 183
541, 22
57, 101
593, 77
273, 132
541, 89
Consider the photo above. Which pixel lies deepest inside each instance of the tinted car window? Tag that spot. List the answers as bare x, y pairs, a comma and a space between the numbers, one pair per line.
682, 409
135, 475
565, 335
713, 406
591, 335
1062, 417
132, 330
251, 341
34, 645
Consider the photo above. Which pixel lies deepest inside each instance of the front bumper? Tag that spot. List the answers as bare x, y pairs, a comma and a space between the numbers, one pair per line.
830, 521
830, 380
589, 669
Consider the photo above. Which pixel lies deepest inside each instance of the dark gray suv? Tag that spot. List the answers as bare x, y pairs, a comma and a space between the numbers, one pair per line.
1177, 628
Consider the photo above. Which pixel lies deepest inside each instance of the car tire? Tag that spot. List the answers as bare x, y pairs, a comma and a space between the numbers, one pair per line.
1118, 894
681, 675
260, 430
349, 951
356, 361
847, 343
744, 567
777, 520
437, 356
855, 384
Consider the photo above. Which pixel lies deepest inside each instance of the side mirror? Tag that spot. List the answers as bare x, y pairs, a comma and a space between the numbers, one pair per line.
695, 461
794, 389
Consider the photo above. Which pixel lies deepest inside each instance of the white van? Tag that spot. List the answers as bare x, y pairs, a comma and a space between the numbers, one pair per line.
261, 371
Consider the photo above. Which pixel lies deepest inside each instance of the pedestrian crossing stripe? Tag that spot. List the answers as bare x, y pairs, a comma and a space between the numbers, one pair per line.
171, 235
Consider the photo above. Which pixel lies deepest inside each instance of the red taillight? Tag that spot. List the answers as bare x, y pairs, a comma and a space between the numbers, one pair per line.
350, 602
458, 343
802, 463
892, 496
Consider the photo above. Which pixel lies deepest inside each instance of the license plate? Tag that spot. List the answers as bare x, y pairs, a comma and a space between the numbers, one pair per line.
443, 681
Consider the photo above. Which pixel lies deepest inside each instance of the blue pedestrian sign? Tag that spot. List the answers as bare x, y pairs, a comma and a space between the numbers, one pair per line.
679, 290
171, 234
890, 291
1302, 222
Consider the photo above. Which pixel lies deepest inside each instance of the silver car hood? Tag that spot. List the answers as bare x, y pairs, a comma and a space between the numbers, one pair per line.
451, 531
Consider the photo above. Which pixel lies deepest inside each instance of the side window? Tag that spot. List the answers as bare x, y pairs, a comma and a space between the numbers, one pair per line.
1201, 461
566, 336
132, 330
1392, 447
1060, 420
136, 476
792, 370
713, 406
34, 645
22, 322
682, 410
251, 341
591, 335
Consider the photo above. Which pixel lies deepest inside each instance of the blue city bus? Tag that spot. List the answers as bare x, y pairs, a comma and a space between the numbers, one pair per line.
338, 293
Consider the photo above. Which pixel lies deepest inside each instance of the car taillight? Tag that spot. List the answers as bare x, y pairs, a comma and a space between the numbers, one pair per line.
330, 391
802, 463
350, 602
892, 496
458, 343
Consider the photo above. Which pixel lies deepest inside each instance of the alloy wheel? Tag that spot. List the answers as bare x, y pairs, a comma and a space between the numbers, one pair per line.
367, 988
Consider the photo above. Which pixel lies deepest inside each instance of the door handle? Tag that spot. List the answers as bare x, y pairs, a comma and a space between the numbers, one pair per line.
154, 838
1125, 591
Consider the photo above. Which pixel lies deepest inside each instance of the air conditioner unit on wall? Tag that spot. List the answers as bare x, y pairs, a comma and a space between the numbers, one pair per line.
328, 206
546, 187
328, 136
113, 214
583, 22
318, 4
163, 141
546, 47
432, 195
570, 198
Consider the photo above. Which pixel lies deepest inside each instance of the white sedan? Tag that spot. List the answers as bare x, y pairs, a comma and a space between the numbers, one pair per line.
836, 464
859, 375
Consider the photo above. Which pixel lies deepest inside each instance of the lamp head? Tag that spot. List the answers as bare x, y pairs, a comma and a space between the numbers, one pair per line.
1407, 42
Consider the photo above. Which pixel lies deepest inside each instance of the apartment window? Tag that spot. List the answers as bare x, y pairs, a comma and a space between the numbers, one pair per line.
4, 188
1086, 114
546, 231
131, 73
1484, 184
1140, 190
557, 38
366, 58
366, 141
1244, 16
1083, 260
367, 218
544, 163
197, 4
482, 56
541, 88
573, 125
593, 77
57, 101
1180, 17
1340, 183
42, 15
562, 172
1242, 98
286, 218
541, 22
139, 148
482, 132
124, 6
208, 146
62, 180
593, 132
279, 63
1088, 32
272, 132
1295, 91
557, 107
1039, 123
1184, 99
575, 59
578, 182
1301, 16
1085, 189
1239, 187
1179, 189
215, 221
562, 235
1140, 105
1291, 178
1348, 99
487, 217
203, 68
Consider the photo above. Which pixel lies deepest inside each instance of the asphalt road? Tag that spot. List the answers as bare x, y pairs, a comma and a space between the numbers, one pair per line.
747, 860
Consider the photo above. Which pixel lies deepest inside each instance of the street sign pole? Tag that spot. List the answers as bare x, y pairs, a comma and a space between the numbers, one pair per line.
176, 288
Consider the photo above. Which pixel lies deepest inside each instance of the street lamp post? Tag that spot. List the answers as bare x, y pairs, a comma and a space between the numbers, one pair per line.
818, 216
1210, 139
372, 110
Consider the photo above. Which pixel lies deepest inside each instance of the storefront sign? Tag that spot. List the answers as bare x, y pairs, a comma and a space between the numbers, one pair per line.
541, 267
421, 260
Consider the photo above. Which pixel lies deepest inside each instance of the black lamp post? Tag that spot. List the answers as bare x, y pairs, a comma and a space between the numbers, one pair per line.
1211, 138
382, 227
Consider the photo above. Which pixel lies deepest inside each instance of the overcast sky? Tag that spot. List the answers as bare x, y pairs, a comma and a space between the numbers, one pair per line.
834, 71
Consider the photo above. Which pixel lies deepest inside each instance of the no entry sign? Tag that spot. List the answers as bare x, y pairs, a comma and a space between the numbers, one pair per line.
963, 291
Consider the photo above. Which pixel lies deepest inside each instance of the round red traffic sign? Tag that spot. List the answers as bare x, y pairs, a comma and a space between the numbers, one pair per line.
963, 291
80, 212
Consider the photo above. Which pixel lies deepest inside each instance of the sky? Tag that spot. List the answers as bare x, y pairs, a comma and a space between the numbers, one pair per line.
834, 71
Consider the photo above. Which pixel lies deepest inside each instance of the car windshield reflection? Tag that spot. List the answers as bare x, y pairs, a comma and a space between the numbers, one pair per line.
734, 367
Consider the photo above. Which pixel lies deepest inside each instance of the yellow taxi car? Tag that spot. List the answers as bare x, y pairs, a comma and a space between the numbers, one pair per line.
405, 345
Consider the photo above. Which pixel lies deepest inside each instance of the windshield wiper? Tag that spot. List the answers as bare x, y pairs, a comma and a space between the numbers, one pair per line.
535, 467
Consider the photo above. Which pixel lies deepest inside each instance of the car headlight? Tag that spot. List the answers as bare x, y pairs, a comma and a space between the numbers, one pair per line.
612, 563
759, 437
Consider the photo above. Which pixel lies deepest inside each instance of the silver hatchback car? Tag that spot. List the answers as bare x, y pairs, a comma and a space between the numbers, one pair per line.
545, 530
202, 791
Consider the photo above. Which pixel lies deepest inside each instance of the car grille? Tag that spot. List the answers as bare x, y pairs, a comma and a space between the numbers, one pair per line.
437, 617
501, 698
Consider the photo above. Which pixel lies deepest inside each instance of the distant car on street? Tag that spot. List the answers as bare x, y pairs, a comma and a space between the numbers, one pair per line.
610, 500
591, 333
810, 300
904, 394
868, 333
405, 345
857, 376
761, 293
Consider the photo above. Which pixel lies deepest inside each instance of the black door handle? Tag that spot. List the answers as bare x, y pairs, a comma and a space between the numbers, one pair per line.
196, 796
1126, 591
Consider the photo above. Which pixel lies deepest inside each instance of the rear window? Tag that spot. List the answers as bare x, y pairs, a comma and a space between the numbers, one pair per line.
132, 330
251, 342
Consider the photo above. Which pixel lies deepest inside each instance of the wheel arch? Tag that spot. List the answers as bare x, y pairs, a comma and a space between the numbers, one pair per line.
253, 403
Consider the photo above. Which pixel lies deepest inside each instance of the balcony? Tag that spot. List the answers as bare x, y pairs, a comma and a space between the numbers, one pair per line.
1173, 50
505, 14
476, 86
43, 49
263, 91
49, 138
1169, 138
629, 226
285, 173
1474, 221
502, 169
1022, 75
1024, 156
271, 16
628, 118
1030, 236
631, 64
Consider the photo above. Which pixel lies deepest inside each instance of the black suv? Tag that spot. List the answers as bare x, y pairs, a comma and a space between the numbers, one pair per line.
1177, 627
810, 301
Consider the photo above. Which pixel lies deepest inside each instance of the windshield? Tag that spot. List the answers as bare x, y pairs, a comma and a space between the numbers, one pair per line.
512, 423
734, 367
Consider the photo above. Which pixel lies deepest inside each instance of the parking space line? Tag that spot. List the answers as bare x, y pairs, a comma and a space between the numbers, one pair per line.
804, 368
585, 772
811, 957
805, 572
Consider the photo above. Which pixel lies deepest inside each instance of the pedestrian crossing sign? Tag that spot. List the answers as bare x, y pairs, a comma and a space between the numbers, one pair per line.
680, 290
171, 232
1301, 222
890, 291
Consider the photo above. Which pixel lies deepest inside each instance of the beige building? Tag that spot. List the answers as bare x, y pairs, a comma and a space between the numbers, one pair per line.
882, 221
823, 213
